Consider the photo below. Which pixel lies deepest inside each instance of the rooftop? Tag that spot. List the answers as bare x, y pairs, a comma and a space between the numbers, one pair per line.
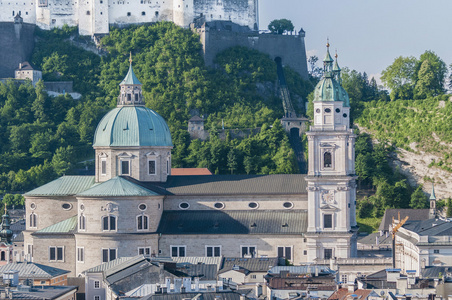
64, 186
33, 270
117, 187
190, 171
249, 264
66, 226
234, 222
413, 214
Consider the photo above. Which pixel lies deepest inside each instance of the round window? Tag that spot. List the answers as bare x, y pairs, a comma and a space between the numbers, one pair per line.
288, 205
338, 110
82, 207
317, 110
219, 205
253, 205
327, 110
142, 206
344, 115
33, 205
184, 205
66, 206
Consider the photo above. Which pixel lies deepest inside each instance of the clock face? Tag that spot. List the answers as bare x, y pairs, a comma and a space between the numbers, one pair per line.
327, 196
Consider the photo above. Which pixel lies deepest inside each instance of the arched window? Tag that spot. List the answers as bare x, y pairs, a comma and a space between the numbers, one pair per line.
109, 223
82, 222
142, 222
33, 220
327, 160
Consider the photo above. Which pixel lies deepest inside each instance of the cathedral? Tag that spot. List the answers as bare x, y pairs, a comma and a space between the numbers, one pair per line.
133, 205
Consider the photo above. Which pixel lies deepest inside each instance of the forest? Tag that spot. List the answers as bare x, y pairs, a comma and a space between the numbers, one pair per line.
43, 137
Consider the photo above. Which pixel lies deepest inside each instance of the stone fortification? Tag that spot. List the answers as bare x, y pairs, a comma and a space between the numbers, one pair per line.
95, 16
218, 36
17, 42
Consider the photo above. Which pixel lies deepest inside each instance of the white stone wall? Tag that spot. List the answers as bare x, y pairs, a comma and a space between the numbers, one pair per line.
237, 203
41, 246
138, 157
266, 244
95, 16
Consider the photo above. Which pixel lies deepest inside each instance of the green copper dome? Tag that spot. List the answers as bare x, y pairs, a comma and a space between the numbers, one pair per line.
329, 87
132, 126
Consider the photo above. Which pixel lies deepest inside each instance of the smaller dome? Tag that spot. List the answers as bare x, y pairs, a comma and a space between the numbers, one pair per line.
132, 126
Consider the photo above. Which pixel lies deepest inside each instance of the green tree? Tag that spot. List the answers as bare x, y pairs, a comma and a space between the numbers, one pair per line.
280, 26
232, 161
400, 77
63, 159
449, 208
419, 199
435, 72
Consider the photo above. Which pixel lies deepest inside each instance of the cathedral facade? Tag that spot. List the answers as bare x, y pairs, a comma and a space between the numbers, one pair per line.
95, 16
133, 205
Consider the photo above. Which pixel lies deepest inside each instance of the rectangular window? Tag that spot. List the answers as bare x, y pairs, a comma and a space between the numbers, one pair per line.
436, 251
253, 276
144, 251
56, 253
344, 278
109, 254
80, 254
30, 250
248, 251
328, 221
178, 251
305, 252
213, 251
96, 284
125, 167
103, 166
327, 253
285, 252
96, 297
151, 164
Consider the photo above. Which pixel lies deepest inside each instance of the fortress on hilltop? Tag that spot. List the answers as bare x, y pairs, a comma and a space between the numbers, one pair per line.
95, 16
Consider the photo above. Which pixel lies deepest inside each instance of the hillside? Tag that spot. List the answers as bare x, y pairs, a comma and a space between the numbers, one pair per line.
421, 132
43, 137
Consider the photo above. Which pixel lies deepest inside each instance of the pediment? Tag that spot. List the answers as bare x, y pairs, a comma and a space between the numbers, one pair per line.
329, 207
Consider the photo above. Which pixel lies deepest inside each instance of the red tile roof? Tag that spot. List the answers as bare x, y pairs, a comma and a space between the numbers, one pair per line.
190, 171
342, 294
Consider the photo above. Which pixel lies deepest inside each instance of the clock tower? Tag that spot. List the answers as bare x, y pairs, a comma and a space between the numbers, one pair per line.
332, 228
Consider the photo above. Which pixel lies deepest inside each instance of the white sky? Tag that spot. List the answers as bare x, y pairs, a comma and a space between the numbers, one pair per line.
368, 34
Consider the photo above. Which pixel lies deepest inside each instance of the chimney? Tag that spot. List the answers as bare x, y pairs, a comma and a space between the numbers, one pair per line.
196, 284
242, 297
177, 285
20, 66
168, 284
187, 284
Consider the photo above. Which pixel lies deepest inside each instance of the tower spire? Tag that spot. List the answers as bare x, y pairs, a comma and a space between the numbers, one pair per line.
337, 69
327, 61
130, 89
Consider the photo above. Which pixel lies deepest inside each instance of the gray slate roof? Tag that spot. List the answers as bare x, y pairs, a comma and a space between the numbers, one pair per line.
33, 270
413, 214
234, 222
301, 269
250, 264
436, 272
203, 271
430, 227
64, 186
114, 264
44, 292
371, 239
278, 184
198, 260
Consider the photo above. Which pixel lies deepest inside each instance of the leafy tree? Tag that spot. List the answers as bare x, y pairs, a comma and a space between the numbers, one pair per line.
62, 161
400, 77
232, 161
365, 208
433, 74
449, 208
419, 199
280, 26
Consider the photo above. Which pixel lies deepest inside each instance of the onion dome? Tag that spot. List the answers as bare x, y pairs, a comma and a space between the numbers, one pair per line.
5, 233
329, 87
131, 123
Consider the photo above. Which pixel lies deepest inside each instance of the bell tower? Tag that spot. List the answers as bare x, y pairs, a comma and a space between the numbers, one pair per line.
332, 227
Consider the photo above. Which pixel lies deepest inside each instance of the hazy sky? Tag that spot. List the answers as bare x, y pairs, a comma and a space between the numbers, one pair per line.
368, 34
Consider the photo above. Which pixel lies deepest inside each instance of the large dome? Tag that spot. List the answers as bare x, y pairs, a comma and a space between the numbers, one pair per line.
328, 89
132, 126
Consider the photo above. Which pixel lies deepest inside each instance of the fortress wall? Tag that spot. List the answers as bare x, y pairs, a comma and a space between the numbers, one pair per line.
291, 48
243, 12
26, 9
16, 46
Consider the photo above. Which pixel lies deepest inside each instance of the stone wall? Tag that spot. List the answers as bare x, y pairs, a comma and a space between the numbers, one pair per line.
16, 46
290, 48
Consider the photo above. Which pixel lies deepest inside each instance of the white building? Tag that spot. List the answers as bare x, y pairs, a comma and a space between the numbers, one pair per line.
95, 16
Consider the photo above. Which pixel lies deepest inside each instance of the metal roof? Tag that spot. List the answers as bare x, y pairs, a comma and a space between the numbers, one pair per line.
203, 271
111, 264
33, 270
132, 126
44, 292
250, 264
430, 227
234, 222
236, 184
199, 260
130, 77
413, 214
66, 226
371, 239
321, 270
197, 295
117, 187
63, 186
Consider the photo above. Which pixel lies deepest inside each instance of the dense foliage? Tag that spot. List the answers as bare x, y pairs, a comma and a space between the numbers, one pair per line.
281, 26
42, 137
